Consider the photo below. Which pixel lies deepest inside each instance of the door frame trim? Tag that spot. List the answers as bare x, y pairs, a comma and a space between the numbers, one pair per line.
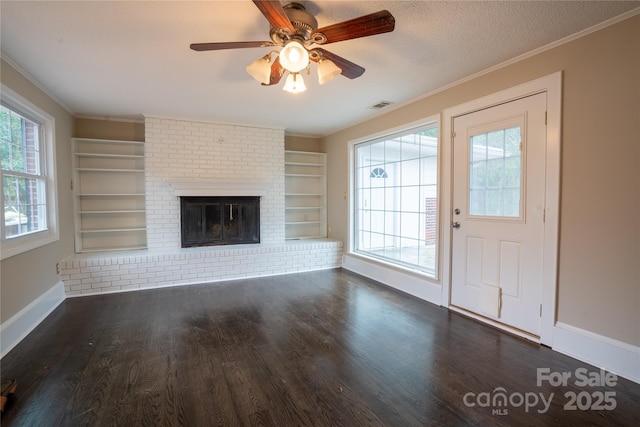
552, 86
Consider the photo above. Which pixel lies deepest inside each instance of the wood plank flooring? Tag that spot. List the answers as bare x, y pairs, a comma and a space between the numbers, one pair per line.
326, 348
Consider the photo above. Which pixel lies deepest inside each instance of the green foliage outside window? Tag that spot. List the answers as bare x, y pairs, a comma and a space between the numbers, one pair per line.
22, 182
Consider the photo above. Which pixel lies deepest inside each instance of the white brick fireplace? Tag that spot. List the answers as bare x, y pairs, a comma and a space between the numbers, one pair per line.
185, 158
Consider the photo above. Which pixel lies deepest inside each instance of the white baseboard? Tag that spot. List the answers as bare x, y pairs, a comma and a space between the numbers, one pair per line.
603, 352
612, 355
23, 322
412, 284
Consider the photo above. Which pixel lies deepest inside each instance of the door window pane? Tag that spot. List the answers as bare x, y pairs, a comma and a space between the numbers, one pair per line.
495, 173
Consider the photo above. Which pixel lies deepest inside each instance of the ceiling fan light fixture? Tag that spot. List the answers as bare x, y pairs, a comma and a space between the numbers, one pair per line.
294, 83
294, 57
260, 69
327, 71
294, 31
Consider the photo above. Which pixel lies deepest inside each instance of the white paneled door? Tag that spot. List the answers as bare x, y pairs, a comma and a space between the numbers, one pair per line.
498, 212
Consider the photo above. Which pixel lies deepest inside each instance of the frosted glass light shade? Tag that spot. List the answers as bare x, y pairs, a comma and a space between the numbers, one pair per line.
294, 57
294, 83
260, 69
327, 71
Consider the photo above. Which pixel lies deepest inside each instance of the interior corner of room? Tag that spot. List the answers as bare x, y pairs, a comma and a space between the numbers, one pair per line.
117, 205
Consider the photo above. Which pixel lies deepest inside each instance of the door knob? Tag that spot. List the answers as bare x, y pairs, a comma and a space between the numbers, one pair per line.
456, 224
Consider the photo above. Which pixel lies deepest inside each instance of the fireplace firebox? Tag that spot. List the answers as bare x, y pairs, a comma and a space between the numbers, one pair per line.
211, 221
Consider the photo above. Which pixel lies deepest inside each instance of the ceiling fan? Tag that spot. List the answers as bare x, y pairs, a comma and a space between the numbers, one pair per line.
296, 31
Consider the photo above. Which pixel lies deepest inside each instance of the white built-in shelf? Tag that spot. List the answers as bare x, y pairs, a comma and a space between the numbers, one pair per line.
115, 248
304, 222
110, 156
112, 230
305, 195
112, 212
307, 236
109, 197
109, 170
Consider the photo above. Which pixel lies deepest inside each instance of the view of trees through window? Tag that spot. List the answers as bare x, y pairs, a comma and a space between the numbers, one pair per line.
23, 181
396, 198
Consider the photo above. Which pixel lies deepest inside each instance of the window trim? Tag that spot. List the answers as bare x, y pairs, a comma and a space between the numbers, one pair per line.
433, 120
20, 244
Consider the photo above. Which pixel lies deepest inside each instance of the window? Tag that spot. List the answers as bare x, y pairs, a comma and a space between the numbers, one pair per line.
379, 173
28, 185
396, 198
495, 170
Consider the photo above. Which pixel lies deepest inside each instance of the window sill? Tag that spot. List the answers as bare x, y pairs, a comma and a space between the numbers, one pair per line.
412, 282
18, 245
396, 267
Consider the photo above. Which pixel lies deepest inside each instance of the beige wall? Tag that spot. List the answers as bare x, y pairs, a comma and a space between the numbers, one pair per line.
301, 143
599, 261
26, 276
134, 131
109, 129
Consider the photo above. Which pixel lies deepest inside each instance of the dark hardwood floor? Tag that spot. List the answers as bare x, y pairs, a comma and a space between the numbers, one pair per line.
325, 348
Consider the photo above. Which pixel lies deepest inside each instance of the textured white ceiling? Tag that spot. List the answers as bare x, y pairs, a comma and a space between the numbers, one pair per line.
126, 59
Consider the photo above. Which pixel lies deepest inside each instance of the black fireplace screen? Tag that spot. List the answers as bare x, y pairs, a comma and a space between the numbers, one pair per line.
209, 221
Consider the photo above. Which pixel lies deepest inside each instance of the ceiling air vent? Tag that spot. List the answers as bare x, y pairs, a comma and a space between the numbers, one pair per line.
380, 104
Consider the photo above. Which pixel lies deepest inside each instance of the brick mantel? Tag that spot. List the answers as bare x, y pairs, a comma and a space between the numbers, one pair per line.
218, 188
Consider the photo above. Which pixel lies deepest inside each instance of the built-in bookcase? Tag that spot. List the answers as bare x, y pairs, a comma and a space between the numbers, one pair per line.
305, 195
108, 187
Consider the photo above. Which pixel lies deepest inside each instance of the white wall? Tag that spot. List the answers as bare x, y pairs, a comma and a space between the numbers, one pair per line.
210, 152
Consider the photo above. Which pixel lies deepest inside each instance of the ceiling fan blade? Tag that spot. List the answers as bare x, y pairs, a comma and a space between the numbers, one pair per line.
228, 45
276, 72
349, 69
275, 14
367, 25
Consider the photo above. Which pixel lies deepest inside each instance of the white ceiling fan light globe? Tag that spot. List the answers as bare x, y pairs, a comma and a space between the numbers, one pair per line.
294, 57
260, 69
294, 83
327, 71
